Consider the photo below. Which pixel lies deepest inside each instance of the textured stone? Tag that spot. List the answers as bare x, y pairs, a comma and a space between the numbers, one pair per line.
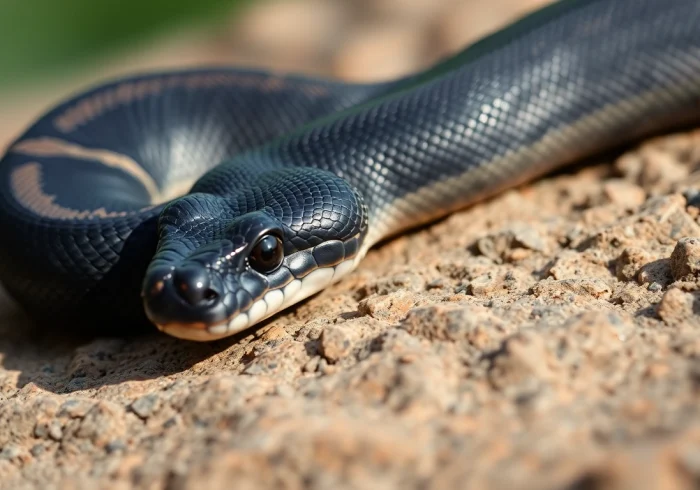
570, 288
146, 405
629, 262
676, 306
685, 259
389, 307
337, 342
656, 272
511, 244
473, 324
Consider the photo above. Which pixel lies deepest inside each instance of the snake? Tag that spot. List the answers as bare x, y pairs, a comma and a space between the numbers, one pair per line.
204, 200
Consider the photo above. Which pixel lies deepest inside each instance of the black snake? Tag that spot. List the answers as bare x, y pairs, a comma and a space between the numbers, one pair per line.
210, 199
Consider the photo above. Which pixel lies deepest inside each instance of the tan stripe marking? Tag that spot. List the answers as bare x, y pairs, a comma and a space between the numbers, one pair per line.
52, 147
86, 109
26, 185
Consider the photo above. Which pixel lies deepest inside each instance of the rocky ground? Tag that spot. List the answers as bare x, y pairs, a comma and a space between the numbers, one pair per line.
546, 339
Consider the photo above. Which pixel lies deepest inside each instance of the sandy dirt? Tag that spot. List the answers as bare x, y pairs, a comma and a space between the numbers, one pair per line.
546, 339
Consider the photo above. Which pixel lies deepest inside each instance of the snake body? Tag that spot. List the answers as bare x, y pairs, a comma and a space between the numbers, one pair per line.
206, 200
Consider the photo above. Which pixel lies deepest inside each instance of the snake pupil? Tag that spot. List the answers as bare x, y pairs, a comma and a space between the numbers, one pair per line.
267, 254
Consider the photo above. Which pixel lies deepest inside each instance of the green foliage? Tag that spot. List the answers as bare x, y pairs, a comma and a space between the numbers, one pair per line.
43, 37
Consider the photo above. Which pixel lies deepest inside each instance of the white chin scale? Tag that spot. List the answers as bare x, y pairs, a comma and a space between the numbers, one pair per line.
268, 305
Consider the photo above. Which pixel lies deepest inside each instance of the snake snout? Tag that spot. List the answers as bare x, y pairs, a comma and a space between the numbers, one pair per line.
189, 295
192, 284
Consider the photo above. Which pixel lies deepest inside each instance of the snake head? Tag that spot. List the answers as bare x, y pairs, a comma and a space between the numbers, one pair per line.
202, 274
220, 268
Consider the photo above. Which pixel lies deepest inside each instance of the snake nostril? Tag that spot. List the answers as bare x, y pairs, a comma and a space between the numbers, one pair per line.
210, 295
192, 284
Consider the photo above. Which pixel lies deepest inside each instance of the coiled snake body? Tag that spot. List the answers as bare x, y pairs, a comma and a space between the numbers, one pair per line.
295, 178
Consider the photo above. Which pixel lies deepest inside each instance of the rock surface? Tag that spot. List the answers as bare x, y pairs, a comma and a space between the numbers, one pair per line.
546, 339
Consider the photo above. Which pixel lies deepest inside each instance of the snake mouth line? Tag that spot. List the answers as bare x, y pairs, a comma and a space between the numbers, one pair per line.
272, 302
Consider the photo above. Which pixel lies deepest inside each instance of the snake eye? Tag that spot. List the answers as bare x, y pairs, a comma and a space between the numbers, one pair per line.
267, 254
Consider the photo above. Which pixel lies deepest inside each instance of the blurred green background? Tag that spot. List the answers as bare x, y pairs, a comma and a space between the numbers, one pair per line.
40, 38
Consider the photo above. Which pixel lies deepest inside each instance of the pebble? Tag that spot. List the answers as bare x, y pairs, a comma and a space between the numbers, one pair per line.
657, 271
102, 424
116, 445
14, 453
409, 281
629, 262
493, 284
685, 259
55, 431
76, 407
676, 306
692, 197
574, 265
439, 283
390, 307
280, 360
504, 245
37, 450
274, 333
325, 368
573, 288
146, 405
474, 324
312, 364
337, 342
522, 363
